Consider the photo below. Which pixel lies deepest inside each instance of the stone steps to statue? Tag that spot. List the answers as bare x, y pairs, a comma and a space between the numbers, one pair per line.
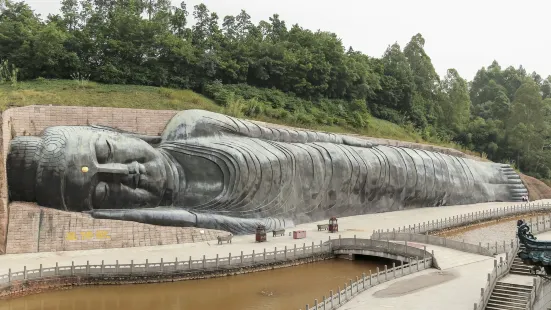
518, 267
509, 296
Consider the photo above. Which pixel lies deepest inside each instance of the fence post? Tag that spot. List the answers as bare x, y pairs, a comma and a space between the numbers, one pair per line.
204, 261
9, 275
386, 273
331, 292
131, 266
162, 265
216, 260
241, 261
295, 250
363, 280
189, 263
285, 257
312, 247
339, 240
378, 281
304, 247
24, 272
393, 270
340, 295
370, 278
56, 268
253, 256
146, 264
40, 271
264, 254
72, 268
117, 266
229, 259
87, 267
275, 253
424, 257
176, 264
354, 239
102, 266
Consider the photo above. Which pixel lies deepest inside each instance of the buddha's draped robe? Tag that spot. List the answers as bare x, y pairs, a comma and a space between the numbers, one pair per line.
238, 174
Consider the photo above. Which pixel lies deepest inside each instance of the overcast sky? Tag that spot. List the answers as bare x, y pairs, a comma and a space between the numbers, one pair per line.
461, 34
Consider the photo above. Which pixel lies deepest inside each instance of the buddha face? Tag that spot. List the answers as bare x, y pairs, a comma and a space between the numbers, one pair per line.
82, 168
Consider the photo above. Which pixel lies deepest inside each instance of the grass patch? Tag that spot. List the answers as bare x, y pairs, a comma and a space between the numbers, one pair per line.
75, 93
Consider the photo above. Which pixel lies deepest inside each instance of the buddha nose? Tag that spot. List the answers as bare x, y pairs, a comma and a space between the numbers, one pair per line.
124, 169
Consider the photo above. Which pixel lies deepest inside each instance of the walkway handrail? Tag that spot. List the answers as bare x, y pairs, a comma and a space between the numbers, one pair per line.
352, 289
204, 264
470, 218
447, 243
189, 265
500, 270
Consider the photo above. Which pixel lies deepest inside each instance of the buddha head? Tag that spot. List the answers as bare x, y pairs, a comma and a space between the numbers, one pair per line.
80, 168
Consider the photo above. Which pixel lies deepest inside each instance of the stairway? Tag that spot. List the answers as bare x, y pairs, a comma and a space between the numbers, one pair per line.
508, 296
516, 187
518, 267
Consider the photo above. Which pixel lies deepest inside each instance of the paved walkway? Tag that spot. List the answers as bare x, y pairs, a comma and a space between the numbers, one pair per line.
362, 226
455, 288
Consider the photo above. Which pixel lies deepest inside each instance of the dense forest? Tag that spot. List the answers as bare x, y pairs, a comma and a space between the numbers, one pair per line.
281, 71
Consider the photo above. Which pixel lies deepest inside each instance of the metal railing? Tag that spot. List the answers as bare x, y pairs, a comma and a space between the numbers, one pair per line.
470, 218
167, 267
352, 289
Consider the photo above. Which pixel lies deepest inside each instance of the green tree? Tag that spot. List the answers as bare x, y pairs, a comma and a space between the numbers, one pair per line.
456, 104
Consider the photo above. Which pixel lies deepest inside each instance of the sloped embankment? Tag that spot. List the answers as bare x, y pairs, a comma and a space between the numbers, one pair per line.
536, 188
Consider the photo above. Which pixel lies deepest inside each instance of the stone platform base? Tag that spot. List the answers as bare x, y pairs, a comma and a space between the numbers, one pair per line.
35, 229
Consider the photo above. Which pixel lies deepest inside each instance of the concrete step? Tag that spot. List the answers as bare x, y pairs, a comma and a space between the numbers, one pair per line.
504, 306
504, 299
514, 286
509, 296
511, 293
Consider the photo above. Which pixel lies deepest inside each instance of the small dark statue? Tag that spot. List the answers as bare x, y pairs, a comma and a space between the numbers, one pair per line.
535, 253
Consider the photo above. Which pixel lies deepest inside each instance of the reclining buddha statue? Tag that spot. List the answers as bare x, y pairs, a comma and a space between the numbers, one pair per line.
209, 170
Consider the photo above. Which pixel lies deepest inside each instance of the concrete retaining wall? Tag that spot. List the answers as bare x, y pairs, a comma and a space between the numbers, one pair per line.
35, 229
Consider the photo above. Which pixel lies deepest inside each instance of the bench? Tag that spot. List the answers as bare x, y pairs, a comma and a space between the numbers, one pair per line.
224, 238
278, 232
323, 227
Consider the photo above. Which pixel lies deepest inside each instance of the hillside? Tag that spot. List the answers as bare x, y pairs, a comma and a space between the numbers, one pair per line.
79, 93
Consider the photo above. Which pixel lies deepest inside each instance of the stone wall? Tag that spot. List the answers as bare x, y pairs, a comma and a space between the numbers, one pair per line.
36, 229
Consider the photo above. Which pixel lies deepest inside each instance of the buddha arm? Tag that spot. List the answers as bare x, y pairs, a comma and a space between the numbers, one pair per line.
183, 218
192, 124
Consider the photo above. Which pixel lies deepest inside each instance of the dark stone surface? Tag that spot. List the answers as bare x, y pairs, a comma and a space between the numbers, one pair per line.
213, 171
